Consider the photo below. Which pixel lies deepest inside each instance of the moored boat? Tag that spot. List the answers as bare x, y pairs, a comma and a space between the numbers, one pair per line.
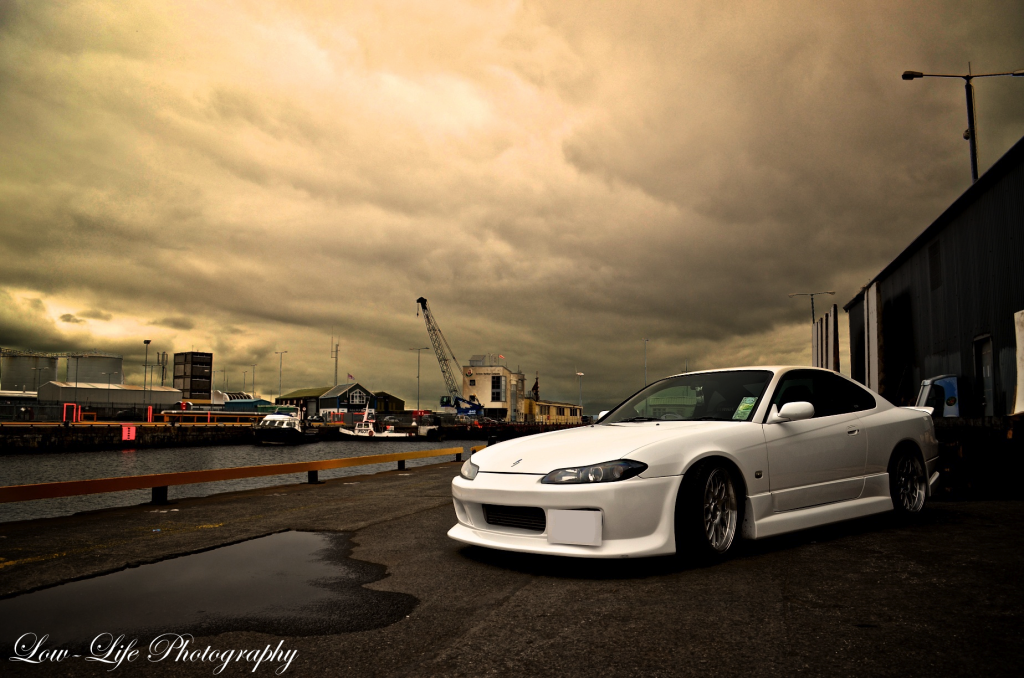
284, 429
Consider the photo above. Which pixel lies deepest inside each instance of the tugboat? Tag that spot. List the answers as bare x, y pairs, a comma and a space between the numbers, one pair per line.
284, 429
366, 429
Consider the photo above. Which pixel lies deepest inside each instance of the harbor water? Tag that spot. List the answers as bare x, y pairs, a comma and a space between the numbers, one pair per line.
53, 467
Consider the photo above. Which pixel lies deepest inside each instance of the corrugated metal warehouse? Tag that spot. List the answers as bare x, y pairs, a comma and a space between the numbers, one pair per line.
121, 395
946, 304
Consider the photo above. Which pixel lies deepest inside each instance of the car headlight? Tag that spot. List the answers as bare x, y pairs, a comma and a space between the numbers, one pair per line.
469, 470
608, 472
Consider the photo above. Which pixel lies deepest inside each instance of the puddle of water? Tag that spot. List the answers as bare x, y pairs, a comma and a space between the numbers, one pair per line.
286, 584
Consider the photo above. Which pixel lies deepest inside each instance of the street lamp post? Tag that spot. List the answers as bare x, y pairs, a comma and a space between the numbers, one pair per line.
254, 381
811, 295
280, 371
244, 375
580, 375
645, 361
109, 374
971, 133
418, 373
145, 367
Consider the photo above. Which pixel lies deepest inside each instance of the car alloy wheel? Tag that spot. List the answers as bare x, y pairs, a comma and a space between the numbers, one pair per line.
720, 514
907, 483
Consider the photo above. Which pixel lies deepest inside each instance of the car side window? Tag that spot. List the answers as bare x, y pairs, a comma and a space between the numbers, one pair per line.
797, 386
848, 397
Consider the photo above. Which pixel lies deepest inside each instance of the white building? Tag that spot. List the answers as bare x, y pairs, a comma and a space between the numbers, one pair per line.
500, 390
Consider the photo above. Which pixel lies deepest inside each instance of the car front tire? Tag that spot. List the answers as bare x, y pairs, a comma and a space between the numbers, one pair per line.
908, 484
708, 514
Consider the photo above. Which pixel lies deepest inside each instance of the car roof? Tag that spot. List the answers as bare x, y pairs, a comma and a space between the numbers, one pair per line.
772, 368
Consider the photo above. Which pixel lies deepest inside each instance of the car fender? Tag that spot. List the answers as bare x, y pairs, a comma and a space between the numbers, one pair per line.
743, 445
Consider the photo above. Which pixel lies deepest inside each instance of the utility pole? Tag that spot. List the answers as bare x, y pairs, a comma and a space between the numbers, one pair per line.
334, 354
280, 371
425, 348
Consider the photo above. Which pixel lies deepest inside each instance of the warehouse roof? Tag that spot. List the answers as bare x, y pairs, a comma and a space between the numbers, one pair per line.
307, 392
113, 387
1010, 160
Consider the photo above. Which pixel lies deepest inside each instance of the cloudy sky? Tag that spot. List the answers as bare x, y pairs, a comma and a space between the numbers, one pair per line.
560, 179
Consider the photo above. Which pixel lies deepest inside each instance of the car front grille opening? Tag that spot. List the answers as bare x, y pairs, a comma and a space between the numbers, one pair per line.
523, 517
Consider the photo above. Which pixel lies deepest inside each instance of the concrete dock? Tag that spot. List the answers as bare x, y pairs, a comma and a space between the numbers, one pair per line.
941, 595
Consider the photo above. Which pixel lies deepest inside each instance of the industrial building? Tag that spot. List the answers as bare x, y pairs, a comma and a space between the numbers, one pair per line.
26, 370
551, 412
193, 374
386, 403
493, 385
108, 395
946, 303
306, 399
346, 399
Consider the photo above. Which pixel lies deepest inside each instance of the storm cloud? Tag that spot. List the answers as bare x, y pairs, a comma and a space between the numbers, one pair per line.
560, 179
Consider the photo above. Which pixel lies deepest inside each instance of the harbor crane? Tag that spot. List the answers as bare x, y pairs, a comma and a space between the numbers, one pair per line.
446, 358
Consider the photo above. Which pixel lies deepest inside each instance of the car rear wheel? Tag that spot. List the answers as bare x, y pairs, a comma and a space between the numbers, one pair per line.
907, 482
707, 513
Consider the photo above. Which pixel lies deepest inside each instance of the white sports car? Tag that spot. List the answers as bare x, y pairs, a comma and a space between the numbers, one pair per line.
693, 461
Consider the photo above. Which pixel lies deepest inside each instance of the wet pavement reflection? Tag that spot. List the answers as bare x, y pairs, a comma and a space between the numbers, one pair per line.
285, 584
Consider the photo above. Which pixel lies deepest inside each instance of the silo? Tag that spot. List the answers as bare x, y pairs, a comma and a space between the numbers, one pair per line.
94, 368
24, 371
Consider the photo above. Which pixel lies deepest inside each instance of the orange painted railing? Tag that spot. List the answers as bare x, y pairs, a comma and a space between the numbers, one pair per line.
159, 482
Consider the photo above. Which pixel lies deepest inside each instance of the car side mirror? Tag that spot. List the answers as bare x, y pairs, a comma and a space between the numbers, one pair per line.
601, 416
797, 411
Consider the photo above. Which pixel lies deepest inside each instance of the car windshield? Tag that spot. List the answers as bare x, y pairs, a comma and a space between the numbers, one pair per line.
705, 396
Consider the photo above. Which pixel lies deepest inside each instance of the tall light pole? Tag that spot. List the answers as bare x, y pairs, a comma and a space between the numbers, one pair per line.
254, 381
580, 375
145, 368
280, 371
417, 373
971, 133
109, 374
35, 376
811, 295
645, 361
244, 375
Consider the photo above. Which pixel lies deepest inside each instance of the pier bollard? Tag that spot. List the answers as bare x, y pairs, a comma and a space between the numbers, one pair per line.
458, 456
159, 495
401, 464
313, 478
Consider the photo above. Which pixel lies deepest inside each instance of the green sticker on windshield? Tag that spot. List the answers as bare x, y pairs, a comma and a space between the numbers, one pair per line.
743, 411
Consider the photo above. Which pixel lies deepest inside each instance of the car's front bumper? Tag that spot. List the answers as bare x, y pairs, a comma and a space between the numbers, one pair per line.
637, 514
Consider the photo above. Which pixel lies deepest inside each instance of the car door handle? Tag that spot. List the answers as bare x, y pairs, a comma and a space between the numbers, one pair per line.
852, 431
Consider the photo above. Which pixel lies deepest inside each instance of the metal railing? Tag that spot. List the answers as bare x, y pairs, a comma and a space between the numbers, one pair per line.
159, 482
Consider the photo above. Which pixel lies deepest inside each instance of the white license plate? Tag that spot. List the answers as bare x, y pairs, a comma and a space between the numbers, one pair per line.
574, 527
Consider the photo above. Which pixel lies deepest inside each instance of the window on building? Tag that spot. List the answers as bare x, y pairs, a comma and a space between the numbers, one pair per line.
357, 397
498, 384
561, 411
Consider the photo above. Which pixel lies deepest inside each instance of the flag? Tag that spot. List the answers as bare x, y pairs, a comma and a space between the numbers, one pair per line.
501, 356
351, 378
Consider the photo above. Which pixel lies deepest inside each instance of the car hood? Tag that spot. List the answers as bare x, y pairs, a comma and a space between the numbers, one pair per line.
542, 453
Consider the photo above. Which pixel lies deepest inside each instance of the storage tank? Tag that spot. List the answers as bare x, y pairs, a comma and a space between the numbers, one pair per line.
25, 371
91, 368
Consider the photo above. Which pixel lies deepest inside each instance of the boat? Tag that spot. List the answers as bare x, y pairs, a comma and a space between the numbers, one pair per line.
367, 429
284, 429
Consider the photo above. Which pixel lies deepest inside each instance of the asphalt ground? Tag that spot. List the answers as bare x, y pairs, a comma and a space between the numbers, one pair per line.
939, 596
